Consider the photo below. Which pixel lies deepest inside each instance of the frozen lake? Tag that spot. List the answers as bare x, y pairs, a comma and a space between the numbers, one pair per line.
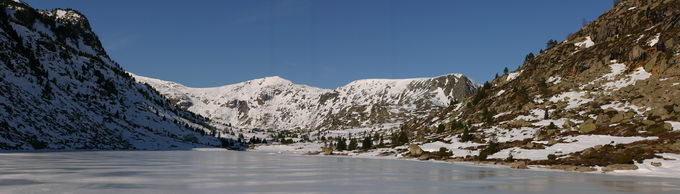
242, 172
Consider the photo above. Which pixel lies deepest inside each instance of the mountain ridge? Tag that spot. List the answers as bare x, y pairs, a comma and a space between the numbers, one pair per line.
318, 104
59, 90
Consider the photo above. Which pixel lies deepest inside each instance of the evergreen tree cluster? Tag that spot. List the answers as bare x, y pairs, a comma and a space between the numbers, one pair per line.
400, 138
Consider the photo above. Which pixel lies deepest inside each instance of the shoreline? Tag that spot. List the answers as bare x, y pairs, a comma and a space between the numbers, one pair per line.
640, 172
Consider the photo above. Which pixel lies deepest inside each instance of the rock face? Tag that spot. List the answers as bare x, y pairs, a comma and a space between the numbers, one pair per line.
279, 104
619, 167
59, 90
415, 150
617, 76
519, 165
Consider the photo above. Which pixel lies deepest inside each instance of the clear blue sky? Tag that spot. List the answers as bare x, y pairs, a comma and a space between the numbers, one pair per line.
325, 43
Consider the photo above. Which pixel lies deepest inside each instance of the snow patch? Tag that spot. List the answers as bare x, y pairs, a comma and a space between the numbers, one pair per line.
575, 144
554, 80
514, 75
574, 99
625, 107
675, 124
587, 43
638, 75
670, 167
505, 135
458, 148
655, 40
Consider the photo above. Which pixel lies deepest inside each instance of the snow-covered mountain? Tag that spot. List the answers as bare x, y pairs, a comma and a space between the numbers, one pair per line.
60, 90
277, 103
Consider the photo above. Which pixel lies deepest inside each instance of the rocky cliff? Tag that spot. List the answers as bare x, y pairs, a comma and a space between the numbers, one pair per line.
59, 90
608, 94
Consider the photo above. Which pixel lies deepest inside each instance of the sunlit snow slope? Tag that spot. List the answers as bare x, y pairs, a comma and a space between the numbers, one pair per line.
277, 103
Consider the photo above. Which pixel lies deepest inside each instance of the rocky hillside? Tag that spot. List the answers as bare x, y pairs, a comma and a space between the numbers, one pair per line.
279, 104
606, 95
59, 90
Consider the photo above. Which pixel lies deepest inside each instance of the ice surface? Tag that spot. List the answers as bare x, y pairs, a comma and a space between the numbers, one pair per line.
218, 171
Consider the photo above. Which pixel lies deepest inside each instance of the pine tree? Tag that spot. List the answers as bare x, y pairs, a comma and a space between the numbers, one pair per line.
403, 138
441, 128
353, 144
342, 144
465, 137
506, 71
551, 44
444, 153
367, 143
529, 57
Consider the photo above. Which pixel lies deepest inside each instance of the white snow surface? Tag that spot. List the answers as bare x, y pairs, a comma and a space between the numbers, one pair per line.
514, 75
625, 107
675, 124
457, 147
277, 103
654, 40
554, 80
500, 93
587, 43
575, 144
574, 99
510, 135
638, 75
670, 167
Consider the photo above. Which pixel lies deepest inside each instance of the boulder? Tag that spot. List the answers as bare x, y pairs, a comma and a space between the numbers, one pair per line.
587, 127
617, 118
530, 145
415, 150
519, 165
648, 122
584, 169
661, 113
521, 123
327, 151
656, 164
568, 124
667, 127
602, 119
614, 167
563, 167
424, 156
573, 168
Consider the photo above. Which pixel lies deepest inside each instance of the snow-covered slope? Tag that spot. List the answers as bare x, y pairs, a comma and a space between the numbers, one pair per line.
277, 103
59, 90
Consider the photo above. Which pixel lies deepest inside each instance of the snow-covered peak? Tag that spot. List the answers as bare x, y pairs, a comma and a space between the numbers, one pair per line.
276, 103
270, 81
65, 14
